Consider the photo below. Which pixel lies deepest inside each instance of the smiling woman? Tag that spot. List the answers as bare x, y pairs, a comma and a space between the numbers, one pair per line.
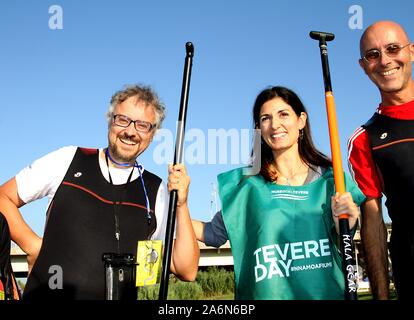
287, 147
281, 130
282, 222
280, 125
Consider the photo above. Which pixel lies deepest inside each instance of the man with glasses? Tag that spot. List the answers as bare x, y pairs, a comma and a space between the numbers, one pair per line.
100, 201
381, 154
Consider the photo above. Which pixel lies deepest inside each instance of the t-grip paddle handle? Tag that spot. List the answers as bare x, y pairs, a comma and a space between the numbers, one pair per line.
322, 37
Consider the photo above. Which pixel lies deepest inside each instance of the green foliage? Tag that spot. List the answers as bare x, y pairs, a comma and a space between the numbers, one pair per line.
209, 284
177, 290
181, 290
148, 292
216, 281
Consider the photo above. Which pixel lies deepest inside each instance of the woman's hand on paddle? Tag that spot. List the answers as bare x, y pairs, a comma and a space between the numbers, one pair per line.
343, 204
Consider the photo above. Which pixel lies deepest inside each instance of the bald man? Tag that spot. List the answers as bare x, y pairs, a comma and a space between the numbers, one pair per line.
381, 159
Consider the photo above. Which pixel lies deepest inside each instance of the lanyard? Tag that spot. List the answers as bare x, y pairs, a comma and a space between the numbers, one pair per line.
139, 167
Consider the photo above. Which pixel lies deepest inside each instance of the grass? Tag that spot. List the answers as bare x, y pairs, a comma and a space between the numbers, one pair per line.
228, 296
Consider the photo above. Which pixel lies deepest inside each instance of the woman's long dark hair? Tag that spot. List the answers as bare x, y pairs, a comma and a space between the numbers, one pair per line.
307, 150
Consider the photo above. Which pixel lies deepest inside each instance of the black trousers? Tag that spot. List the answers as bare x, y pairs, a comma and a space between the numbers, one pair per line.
402, 259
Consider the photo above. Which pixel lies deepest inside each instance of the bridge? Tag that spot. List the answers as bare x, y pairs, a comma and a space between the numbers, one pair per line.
209, 256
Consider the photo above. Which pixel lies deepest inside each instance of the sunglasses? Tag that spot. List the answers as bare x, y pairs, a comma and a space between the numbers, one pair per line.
391, 50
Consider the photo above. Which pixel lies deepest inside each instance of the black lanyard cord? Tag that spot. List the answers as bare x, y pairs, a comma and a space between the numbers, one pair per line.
117, 205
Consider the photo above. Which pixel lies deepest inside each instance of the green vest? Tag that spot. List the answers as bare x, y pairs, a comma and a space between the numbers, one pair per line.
283, 238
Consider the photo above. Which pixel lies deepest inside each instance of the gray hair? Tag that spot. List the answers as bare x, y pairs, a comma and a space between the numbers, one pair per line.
144, 94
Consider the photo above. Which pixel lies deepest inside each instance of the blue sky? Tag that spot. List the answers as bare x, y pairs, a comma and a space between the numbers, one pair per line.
56, 83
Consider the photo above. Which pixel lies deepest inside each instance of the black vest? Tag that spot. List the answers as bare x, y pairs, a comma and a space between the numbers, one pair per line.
81, 227
392, 146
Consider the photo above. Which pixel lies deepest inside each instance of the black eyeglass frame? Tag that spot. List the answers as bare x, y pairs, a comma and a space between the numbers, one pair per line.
135, 122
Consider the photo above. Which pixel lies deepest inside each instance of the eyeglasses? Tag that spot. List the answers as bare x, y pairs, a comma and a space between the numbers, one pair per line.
391, 50
141, 126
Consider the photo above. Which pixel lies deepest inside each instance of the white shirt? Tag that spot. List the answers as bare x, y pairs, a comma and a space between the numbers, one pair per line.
43, 177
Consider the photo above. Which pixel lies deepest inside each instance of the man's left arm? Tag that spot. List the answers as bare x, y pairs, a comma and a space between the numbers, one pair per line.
186, 253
